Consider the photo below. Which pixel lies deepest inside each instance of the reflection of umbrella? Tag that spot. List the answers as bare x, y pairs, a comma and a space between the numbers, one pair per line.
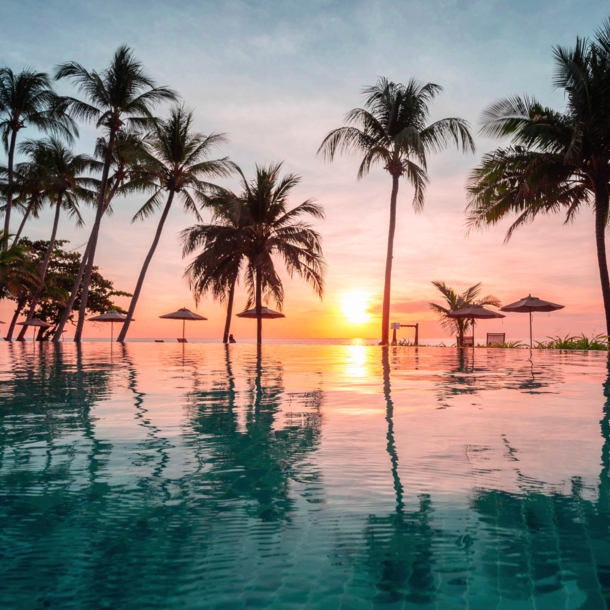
530, 304
266, 313
111, 316
183, 314
473, 312
35, 323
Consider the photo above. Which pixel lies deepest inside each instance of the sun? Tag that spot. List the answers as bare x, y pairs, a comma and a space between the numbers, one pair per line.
354, 305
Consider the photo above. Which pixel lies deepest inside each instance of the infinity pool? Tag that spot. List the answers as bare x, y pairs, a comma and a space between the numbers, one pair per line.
195, 476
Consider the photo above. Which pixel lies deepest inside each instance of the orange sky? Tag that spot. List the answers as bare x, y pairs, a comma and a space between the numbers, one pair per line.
276, 82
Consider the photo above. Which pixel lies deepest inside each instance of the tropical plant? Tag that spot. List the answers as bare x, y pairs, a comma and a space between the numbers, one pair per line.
216, 269
28, 193
266, 229
177, 166
454, 326
28, 99
124, 177
393, 129
120, 96
63, 264
18, 275
16, 267
582, 342
63, 177
558, 161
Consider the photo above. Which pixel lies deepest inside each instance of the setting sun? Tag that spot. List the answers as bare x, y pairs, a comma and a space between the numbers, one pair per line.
354, 305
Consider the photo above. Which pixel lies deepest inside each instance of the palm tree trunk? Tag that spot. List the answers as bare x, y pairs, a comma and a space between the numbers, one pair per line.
11, 329
259, 306
225, 335
601, 218
385, 317
65, 316
460, 328
44, 267
9, 195
153, 247
93, 239
23, 221
76, 285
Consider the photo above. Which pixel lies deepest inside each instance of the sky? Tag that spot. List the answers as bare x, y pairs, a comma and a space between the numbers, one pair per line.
276, 77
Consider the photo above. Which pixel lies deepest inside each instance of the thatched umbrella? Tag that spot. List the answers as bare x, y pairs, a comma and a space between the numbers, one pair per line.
35, 323
111, 316
530, 304
183, 314
474, 312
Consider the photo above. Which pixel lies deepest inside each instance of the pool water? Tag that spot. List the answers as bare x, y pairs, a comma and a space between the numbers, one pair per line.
321, 477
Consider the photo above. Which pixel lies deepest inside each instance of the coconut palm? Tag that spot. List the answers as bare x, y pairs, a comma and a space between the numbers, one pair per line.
65, 181
27, 194
216, 269
177, 166
270, 230
18, 275
16, 268
121, 95
558, 161
393, 129
124, 177
28, 99
455, 301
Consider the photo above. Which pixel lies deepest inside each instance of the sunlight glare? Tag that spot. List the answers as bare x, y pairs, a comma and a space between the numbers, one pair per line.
354, 305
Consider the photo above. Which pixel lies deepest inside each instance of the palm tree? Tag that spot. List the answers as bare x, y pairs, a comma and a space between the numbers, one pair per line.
393, 129
124, 178
177, 165
27, 194
455, 301
123, 94
217, 267
270, 229
61, 174
18, 275
16, 267
28, 99
558, 161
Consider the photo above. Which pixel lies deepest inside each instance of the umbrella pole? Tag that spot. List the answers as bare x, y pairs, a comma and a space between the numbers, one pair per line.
111, 330
183, 323
531, 340
473, 344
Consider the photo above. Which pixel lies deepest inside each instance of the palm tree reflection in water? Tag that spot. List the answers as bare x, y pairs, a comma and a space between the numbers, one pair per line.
399, 545
252, 467
539, 546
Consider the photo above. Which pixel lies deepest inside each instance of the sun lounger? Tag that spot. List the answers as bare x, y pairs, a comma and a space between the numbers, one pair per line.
496, 338
181, 340
159, 341
467, 341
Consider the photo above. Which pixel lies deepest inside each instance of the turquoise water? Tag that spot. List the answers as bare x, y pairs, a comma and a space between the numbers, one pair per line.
194, 476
